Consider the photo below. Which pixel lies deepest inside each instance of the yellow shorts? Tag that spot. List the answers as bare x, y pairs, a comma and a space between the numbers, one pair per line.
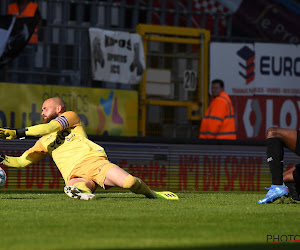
93, 169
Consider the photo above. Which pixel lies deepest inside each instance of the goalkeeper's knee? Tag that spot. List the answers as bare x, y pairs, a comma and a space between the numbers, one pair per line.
137, 186
131, 182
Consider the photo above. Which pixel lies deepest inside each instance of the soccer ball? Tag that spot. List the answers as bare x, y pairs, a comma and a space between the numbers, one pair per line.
2, 177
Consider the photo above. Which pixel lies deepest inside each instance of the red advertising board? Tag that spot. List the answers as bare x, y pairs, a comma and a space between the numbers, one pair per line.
174, 167
255, 114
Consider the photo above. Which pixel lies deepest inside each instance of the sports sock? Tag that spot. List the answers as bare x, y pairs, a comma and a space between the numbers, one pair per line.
137, 186
275, 159
82, 186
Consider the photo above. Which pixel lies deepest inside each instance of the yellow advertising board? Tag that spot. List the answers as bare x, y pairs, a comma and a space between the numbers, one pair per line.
102, 111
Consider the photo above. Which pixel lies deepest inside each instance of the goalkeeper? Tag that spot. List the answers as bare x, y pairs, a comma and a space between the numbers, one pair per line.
82, 163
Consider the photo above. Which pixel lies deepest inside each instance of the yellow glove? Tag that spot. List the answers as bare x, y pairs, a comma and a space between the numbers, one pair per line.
8, 134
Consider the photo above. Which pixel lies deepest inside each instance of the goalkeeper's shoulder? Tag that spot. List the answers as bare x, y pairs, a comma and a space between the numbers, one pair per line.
70, 115
72, 118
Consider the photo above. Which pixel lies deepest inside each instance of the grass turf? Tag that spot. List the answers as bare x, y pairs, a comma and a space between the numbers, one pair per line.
128, 221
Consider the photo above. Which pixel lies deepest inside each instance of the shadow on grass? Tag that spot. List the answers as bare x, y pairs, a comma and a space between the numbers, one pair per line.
288, 245
18, 198
21, 195
120, 197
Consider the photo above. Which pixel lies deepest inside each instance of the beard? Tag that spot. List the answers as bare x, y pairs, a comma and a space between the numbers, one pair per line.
49, 118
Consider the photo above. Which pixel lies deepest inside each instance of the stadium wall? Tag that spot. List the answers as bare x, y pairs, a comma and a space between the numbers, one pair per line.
175, 165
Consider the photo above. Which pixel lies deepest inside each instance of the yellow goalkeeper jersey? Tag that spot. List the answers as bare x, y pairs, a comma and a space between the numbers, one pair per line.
68, 147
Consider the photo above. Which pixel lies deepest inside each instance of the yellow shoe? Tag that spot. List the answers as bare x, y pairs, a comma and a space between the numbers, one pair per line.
166, 195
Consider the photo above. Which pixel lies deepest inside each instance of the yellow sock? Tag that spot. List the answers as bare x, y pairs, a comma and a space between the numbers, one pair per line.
82, 186
137, 186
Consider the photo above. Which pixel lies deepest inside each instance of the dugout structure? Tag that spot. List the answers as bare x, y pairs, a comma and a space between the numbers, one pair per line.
174, 88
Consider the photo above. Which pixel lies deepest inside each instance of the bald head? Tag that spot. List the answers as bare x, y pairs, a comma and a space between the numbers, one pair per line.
52, 108
58, 102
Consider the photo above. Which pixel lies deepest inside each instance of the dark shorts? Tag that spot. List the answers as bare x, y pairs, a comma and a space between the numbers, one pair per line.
297, 150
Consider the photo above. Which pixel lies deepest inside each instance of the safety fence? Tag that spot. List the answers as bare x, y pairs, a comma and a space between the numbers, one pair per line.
163, 166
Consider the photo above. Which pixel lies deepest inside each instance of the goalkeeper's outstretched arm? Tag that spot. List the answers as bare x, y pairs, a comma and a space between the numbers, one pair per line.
30, 156
37, 130
52, 108
16, 162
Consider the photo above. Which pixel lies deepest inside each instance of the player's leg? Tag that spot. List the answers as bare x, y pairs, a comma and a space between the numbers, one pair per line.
117, 176
80, 188
288, 175
289, 181
276, 139
291, 178
80, 185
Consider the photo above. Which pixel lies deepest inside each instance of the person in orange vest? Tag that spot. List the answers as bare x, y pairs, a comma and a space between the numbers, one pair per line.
218, 121
26, 8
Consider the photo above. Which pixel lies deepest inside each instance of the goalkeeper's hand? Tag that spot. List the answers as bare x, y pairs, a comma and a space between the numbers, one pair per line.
8, 134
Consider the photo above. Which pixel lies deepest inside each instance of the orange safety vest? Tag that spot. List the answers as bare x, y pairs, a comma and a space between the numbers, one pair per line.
219, 122
29, 11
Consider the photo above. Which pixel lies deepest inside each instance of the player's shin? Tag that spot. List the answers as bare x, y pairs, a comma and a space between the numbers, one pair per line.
137, 186
83, 187
275, 159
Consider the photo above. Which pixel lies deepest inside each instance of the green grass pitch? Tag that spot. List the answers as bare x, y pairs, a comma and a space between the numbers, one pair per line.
127, 221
